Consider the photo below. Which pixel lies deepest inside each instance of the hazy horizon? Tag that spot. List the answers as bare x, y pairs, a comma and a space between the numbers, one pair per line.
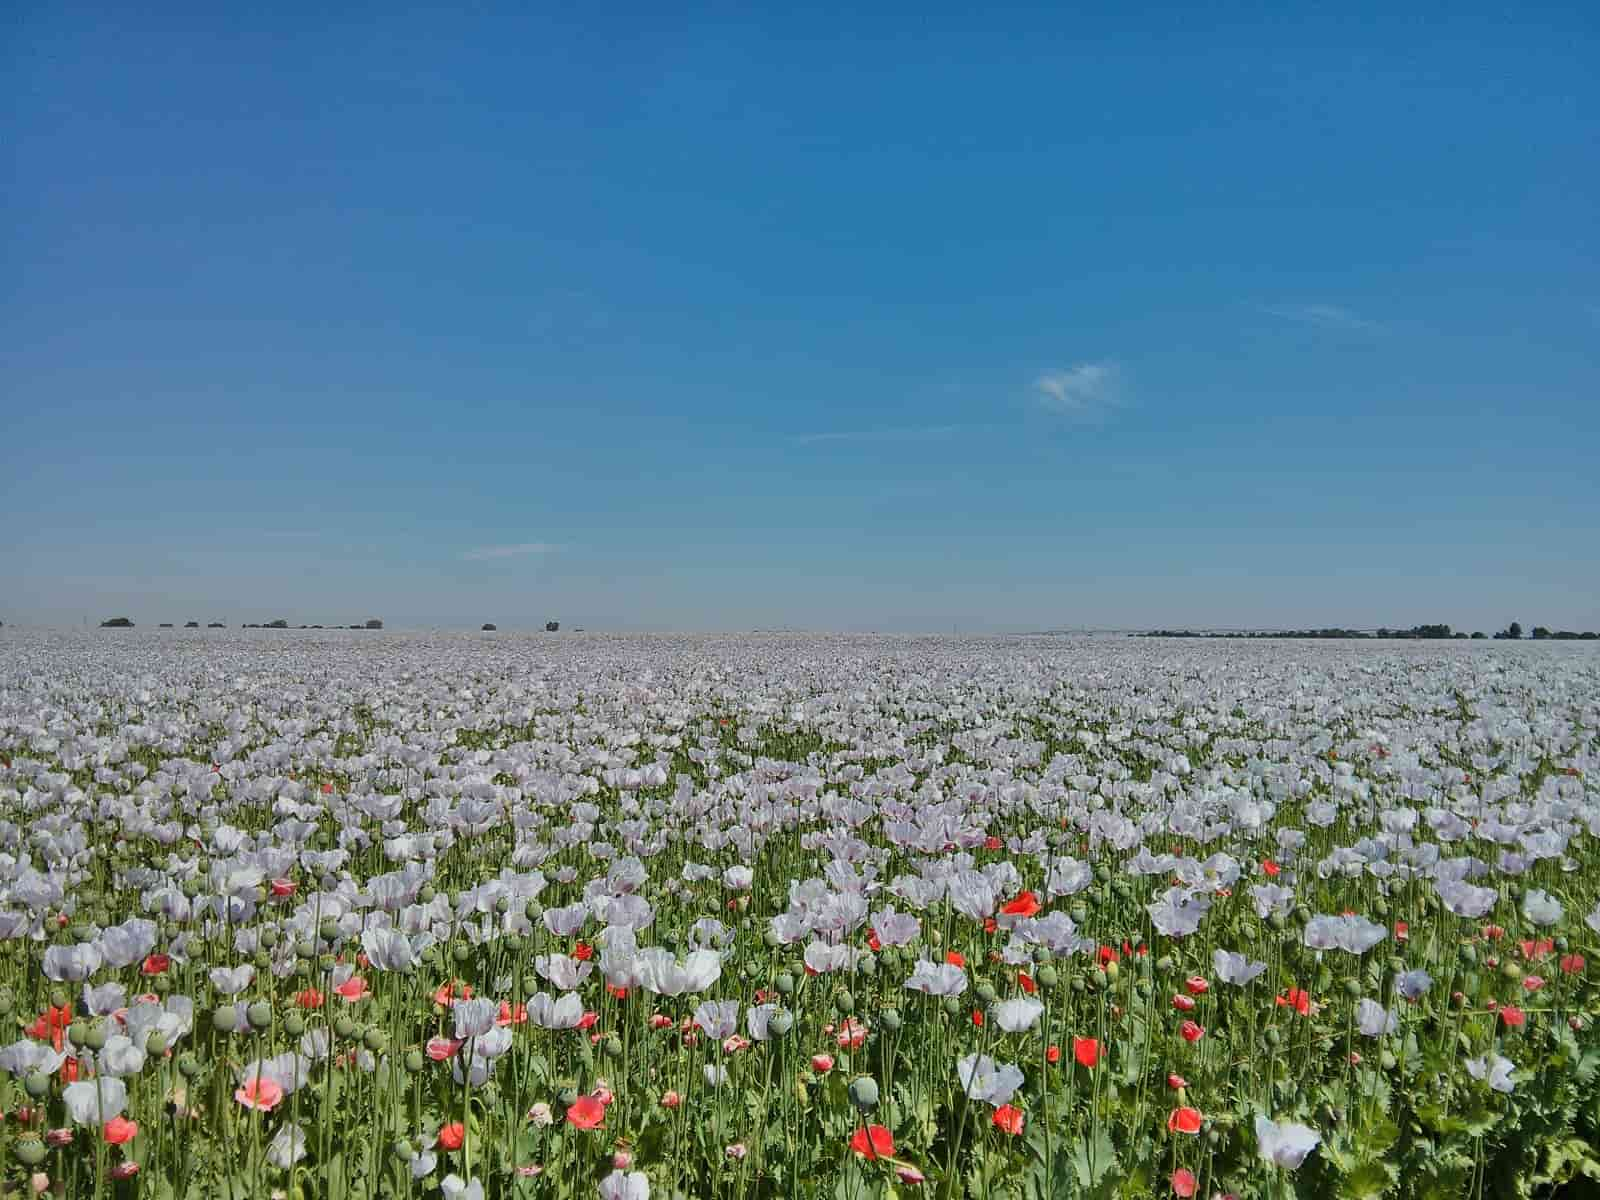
901, 320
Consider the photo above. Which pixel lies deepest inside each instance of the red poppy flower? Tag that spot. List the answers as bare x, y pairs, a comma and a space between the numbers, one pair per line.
1177, 1082
1572, 964
1053, 1054
1009, 1118
451, 1136
1183, 1003
1107, 954
583, 952
1025, 905
977, 1017
1513, 1016
588, 1020
874, 1141
450, 991
1026, 983
1183, 1182
69, 1070
441, 1049
992, 843
1297, 998
309, 998
1196, 985
1270, 868
155, 964
586, 1113
1086, 1051
352, 989
1191, 1032
1402, 931
873, 943
1493, 932
282, 887
1184, 1120
621, 993
990, 925
955, 959
511, 1016
1533, 951
852, 1034
119, 1130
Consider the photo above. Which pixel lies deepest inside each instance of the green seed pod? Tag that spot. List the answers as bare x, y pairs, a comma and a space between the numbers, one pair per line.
78, 1031
1562, 945
770, 940
327, 962
460, 952
612, 1047
1274, 1038
951, 1005
1080, 913
1048, 977
60, 997
889, 958
453, 899
225, 1018
344, 1027
328, 929
864, 1093
567, 1097
1510, 970
1143, 989
38, 1085
268, 937
844, 1003
400, 1149
935, 938
1302, 914
502, 905
780, 1023
1380, 907
1467, 954
294, 1025
1352, 988
1397, 964
1164, 964
516, 941
1276, 922
414, 1061
306, 948
97, 1036
155, 1045
259, 1014
160, 985
785, 984
868, 967
6, 1004
986, 994
30, 1150
375, 1041
426, 894
1387, 1060
188, 1066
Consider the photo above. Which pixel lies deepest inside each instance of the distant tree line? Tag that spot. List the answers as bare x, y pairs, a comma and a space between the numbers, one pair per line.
1417, 632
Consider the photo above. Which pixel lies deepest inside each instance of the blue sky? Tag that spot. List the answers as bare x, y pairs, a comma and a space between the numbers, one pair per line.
912, 319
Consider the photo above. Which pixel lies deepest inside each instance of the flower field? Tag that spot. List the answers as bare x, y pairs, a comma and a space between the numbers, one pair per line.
376, 915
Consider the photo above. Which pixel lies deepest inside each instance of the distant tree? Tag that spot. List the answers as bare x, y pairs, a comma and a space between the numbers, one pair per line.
358, 627
1480, 636
191, 624
552, 626
1540, 633
280, 623
488, 627
1515, 630
117, 623
165, 625
216, 625
374, 623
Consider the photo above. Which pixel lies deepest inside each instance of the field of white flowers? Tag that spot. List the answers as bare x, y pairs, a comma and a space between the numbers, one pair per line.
359, 915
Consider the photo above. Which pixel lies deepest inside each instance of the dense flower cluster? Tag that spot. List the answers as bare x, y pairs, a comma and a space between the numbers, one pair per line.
779, 917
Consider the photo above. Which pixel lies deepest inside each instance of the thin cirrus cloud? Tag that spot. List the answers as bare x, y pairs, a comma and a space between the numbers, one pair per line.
1084, 390
1322, 316
879, 435
486, 553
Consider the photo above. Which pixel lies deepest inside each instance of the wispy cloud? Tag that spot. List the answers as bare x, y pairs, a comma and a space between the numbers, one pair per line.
482, 553
1322, 316
879, 435
1082, 390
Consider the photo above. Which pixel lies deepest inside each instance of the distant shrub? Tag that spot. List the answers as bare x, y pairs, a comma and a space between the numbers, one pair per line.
117, 623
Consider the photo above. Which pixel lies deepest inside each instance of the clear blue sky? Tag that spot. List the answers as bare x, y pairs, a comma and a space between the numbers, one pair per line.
928, 316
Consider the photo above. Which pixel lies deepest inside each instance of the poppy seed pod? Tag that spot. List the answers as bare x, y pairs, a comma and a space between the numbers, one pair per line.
890, 1019
294, 1025
414, 1061
785, 984
986, 994
95, 1039
30, 1150
225, 1019
1047, 976
259, 1014
864, 1093
37, 1085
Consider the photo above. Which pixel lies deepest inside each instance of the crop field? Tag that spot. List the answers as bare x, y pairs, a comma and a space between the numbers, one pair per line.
355, 915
